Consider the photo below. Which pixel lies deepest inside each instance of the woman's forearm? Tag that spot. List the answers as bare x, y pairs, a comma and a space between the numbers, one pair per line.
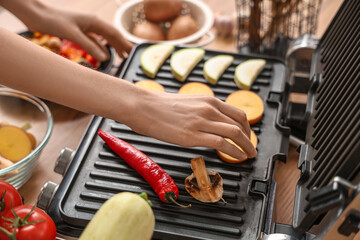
187, 120
30, 68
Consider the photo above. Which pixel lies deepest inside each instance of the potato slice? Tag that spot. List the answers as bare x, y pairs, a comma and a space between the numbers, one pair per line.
4, 163
195, 88
249, 102
230, 159
32, 140
15, 143
150, 85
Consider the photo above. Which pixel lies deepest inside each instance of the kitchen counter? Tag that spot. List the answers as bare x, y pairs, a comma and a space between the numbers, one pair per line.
70, 125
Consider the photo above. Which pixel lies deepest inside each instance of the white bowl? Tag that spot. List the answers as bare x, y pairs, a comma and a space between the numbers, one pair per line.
124, 22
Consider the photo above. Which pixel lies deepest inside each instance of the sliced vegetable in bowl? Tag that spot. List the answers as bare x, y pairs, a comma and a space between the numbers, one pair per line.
15, 142
69, 50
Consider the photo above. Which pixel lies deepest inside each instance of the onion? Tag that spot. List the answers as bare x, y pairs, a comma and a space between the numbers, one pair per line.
162, 10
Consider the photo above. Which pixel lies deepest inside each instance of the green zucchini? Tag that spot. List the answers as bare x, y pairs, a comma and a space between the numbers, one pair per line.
125, 216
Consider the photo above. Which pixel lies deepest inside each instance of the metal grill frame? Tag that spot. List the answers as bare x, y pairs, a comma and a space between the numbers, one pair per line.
257, 184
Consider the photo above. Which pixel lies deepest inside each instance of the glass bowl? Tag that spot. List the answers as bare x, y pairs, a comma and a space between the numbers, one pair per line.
19, 109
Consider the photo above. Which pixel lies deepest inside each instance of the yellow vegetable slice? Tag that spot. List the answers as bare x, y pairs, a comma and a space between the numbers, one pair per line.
230, 159
15, 144
150, 85
183, 61
154, 57
195, 88
249, 102
216, 66
246, 72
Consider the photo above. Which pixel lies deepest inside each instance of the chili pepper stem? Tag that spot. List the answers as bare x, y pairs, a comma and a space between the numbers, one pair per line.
170, 198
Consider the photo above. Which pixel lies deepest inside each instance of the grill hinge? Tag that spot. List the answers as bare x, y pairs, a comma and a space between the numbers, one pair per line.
275, 98
315, 81
304, 164
258, 187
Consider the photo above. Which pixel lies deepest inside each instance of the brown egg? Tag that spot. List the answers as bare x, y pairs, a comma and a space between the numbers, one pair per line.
149, 31
162, 10
181, 27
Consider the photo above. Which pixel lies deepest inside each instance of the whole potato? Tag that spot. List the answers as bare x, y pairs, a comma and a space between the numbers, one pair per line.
181, 27
162, 10
149, 31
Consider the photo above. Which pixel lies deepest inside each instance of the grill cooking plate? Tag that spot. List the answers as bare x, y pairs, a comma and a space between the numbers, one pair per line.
96, 173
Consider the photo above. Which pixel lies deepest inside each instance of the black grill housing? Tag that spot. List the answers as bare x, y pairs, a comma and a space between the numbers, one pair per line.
332, 148
333, 132
96, 173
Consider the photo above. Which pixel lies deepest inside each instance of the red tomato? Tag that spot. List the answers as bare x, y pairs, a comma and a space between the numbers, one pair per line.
45, 230
11, 196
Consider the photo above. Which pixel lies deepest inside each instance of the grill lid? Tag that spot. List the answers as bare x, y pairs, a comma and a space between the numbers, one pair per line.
332, 145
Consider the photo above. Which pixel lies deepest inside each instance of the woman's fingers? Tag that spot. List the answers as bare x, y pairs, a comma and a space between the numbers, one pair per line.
100, 41
232, 132
90, 46
220, 144
240, 122
237, 114
111, 34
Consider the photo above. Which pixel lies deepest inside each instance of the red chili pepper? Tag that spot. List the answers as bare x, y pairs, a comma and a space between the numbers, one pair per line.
159, 180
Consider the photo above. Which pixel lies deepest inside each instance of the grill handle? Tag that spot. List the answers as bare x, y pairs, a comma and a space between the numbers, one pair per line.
46, 195
63, 161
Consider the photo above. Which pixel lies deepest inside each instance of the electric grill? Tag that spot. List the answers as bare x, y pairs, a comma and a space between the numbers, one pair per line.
327, 200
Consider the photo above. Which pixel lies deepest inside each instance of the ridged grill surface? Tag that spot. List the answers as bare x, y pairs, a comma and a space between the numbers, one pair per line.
103, 174
333, 133
337, 108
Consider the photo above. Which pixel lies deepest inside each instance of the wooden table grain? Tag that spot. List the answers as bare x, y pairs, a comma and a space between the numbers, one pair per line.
70, 125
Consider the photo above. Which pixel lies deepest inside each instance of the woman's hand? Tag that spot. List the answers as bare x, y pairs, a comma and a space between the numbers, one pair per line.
193, 120
84, 29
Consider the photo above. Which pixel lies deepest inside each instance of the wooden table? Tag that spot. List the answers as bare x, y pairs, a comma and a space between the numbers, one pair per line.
70, 125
